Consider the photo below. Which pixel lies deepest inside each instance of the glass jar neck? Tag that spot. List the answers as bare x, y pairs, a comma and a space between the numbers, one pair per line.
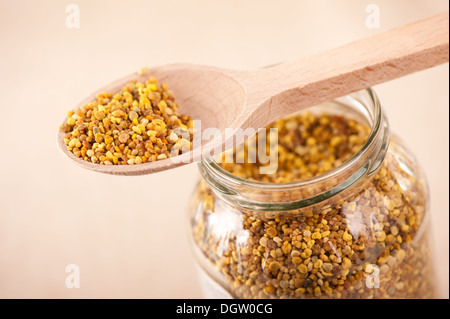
324, 189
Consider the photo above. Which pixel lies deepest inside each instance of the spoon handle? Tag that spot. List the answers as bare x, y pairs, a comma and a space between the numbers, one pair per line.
349, 68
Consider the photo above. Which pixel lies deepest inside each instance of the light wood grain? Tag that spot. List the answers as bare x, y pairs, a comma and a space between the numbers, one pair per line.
242, 99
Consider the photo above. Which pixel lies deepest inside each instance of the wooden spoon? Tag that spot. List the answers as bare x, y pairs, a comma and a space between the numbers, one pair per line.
253, 99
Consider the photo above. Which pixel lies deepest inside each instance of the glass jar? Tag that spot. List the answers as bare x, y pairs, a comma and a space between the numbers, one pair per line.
360, 230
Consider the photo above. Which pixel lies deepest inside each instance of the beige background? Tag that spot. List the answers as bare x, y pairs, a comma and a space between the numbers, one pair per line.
128, 234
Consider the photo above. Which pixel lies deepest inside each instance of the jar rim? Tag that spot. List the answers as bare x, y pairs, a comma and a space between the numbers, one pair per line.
227, 183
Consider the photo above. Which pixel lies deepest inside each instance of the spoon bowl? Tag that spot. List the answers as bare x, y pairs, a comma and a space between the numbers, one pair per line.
205, 84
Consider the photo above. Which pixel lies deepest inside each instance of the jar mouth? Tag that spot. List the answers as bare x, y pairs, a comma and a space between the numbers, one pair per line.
361, 163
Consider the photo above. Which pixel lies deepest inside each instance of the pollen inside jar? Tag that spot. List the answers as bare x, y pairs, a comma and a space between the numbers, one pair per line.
330, 237
308, 145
